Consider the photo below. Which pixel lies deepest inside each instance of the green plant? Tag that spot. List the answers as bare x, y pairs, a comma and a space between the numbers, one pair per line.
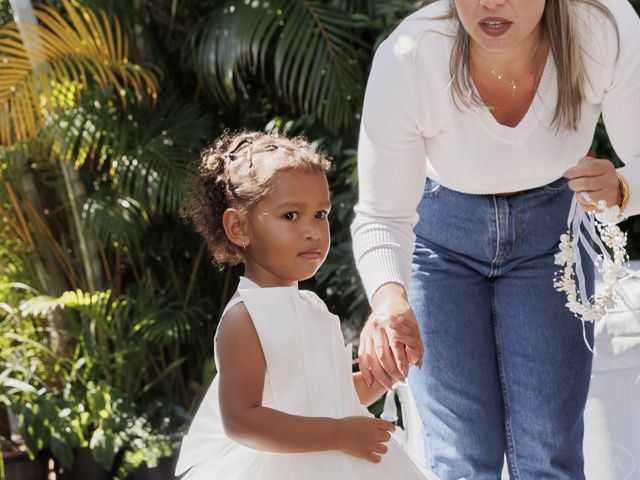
83, 396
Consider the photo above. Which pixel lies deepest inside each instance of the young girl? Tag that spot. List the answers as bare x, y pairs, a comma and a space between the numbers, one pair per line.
285, 404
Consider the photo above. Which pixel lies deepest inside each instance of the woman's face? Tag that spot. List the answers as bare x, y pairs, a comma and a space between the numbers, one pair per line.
500, 26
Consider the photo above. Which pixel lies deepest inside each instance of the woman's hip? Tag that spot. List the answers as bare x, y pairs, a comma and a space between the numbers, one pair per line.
491, 231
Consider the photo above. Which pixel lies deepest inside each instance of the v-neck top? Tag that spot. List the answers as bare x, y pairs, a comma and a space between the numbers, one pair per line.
413, 128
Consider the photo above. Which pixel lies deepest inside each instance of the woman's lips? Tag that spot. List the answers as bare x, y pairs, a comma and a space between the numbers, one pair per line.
495, 26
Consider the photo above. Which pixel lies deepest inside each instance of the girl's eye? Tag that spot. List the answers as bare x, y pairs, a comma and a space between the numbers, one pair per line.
290, 216
322, 215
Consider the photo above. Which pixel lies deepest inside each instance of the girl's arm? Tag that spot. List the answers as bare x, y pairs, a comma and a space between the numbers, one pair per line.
246, 421
367, 394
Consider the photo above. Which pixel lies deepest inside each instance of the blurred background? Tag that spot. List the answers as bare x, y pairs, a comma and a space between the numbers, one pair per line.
108, 302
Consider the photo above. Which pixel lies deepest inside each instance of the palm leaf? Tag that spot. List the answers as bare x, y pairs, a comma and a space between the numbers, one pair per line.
314, 48
156, 165
96, 306
89, 47
144, 155
160, 319
114, 217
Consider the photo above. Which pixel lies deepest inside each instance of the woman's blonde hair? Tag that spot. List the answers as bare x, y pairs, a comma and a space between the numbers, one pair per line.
559, 29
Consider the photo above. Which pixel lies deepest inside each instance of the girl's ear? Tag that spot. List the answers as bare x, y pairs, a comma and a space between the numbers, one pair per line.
235, 227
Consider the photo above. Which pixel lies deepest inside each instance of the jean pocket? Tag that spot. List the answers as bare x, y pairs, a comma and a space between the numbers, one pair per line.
431, 188
557, 186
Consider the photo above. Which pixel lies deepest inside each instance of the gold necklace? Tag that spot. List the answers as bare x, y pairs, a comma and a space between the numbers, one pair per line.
513, 84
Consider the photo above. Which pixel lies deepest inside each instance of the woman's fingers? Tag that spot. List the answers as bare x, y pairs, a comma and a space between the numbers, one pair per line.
379, 373
386, 360
381, 352
406, 331
399, 353
374, 354
598, 178
416, 356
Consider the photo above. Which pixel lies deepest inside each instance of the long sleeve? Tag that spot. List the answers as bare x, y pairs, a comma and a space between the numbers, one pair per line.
391, 168
621, 103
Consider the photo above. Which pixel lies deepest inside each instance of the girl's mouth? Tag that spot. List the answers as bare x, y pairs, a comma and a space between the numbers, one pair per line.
310, 255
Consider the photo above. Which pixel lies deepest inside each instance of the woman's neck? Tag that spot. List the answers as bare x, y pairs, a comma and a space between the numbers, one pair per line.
510, 63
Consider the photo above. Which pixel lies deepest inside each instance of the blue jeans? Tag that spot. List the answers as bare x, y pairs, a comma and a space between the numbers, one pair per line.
506, 369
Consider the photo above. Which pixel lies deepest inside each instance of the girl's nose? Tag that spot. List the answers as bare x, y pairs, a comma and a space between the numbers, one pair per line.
312, 231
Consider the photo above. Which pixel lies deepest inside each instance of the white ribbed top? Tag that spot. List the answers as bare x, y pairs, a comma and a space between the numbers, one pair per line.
411, 128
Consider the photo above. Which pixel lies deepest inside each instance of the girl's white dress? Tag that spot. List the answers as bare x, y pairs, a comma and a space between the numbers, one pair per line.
308, 372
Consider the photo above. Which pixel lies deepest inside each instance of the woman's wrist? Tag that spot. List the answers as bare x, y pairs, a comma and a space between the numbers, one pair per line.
386, 291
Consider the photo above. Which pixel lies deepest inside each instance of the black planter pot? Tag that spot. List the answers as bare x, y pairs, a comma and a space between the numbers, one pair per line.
164, 471
18, 466
5, 424
84, 468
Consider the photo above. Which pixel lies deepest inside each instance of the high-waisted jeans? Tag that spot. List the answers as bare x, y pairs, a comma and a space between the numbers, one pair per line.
506, 369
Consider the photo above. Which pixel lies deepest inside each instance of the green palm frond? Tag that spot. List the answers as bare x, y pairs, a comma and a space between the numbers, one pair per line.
48, 65
160, 319
156, 165
143, 154
165, 325
96, 305
313, 46
114, 217
90, 132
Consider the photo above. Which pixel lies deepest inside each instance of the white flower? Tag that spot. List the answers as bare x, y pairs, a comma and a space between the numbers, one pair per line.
608, 216
612, 268
564, 256
592, 315
575, 307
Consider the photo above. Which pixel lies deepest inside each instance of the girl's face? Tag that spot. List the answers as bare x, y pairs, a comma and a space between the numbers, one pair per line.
289, 230
501, 26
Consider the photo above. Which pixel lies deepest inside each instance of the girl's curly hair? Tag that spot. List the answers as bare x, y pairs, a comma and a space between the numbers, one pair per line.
236, 172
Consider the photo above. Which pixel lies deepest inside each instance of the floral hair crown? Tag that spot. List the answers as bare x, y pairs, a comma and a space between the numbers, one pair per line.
587, 229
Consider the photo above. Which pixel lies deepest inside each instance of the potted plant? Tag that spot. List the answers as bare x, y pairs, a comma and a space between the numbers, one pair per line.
16, 461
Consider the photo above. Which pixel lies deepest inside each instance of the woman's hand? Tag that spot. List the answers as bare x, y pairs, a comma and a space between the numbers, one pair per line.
364, 437
390, 340
596, 177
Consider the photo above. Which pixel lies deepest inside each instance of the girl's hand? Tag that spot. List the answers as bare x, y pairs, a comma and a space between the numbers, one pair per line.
390, 340
364, 437
598, 178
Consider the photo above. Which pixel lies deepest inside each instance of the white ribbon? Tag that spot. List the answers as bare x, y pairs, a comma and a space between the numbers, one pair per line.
581, 226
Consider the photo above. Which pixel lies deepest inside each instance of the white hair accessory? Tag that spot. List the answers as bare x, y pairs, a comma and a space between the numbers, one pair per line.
586, 229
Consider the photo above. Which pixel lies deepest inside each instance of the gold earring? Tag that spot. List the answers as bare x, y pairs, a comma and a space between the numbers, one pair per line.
244, 246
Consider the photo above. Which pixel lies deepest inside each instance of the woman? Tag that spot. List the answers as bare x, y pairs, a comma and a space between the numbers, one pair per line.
477, 120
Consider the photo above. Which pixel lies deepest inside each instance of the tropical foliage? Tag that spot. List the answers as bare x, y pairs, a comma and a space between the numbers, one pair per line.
110, 301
